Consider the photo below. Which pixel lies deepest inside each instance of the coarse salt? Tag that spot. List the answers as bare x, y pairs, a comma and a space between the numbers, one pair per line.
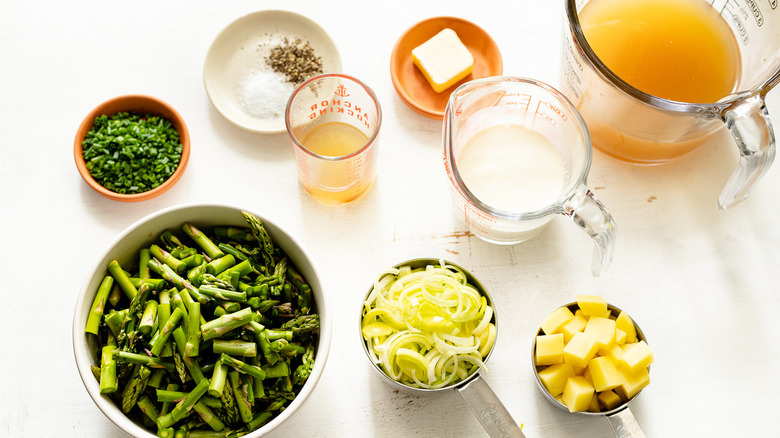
264, 94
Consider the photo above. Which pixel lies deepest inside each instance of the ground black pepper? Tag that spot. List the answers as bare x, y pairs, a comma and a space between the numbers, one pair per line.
296, 60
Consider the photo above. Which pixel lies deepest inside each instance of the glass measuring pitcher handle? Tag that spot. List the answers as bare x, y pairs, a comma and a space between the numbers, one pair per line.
748, 121
589, 214
624, 425
486, 406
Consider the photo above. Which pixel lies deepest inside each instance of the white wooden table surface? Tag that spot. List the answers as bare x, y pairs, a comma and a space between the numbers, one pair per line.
702, 283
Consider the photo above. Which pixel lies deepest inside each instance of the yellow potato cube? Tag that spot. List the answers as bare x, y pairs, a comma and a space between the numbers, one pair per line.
605, 374
443, 60
609, 400
620, 336
576, 324
594, 403
624, 322
637, 357
577, 394
554, 377
603, 329
549, 349
554, 321
633, 383
615, 353
580, 349
593, 305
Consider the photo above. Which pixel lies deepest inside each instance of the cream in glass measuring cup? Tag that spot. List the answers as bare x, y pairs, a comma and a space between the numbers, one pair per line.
692, 67
333, 121
517, 154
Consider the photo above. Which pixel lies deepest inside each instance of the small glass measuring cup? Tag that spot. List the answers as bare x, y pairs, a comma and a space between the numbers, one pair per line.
333, 121
620, 418
525, 106
634, 126
482, 401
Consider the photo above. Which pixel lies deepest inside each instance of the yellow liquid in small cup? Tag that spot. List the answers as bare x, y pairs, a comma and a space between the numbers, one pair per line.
336, 182
680, 50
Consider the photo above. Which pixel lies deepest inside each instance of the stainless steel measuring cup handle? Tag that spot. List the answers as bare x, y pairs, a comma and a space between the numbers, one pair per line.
749, 124
624, 425
488, 409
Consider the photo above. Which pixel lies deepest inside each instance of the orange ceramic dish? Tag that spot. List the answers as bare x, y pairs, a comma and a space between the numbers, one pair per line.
133, 103
410, 83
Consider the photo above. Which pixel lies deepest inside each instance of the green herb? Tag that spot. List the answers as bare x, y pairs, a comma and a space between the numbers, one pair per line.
131, 152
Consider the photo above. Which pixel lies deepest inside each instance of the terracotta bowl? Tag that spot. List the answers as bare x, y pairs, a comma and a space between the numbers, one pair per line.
132, 103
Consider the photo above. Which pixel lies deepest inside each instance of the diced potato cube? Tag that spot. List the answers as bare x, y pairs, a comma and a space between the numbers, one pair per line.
580, 349
620, 336
549, 349
594, 403
605, 374
609, 400
577, 394
593, 305
615, 353
554, 321
603, 329
554, 377
624, 322
576, 324
633, 383
637, 357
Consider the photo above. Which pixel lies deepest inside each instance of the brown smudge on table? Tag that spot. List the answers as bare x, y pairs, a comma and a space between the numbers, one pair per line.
651, 198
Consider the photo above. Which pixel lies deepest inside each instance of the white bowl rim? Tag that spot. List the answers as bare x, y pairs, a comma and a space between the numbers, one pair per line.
83, 361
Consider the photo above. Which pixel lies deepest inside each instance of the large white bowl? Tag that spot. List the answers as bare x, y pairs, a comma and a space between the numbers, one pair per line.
142, 233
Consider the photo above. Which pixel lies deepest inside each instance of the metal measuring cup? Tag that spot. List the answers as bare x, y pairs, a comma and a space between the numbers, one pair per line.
620, 418
482, 401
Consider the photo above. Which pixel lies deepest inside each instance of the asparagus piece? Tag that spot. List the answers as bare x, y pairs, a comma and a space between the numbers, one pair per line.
234, 233
235, 347
193, 260
206, 244
143, 269
149, 361
261, 234
99, 305
134, 387
156, 379
167, 330
147, 406
208, 416
160, 254
218, 379
122, 279
303, 371
217, 266
303, 324
225, 323
148, 318
243, 367
222, 294
240, 395
108, 379
192, 347
190, 363
184, 406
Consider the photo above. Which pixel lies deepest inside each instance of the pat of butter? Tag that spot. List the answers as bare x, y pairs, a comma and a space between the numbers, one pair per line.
443, 60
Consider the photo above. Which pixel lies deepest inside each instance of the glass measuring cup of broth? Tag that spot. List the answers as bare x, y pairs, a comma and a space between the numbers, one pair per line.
517, 154
656, 79
333, 121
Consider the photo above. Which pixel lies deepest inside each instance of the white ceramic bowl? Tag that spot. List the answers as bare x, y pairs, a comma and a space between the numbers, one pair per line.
240, 49
143, 233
